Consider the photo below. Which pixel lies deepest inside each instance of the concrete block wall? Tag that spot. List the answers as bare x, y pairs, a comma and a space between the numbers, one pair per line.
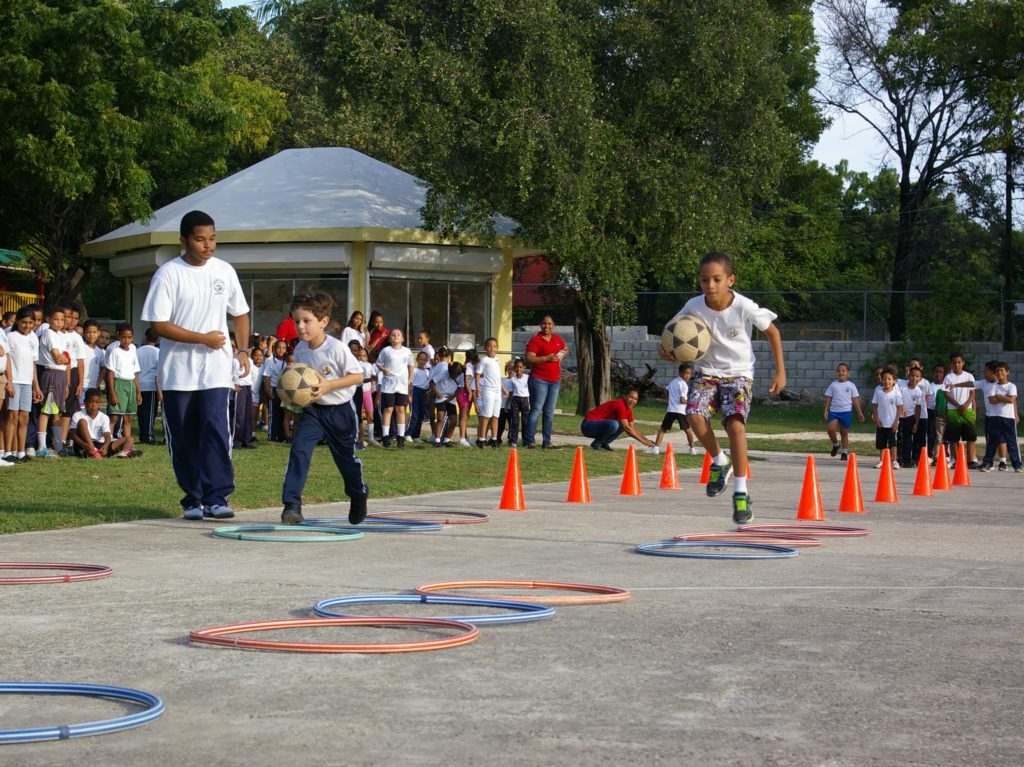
810, 365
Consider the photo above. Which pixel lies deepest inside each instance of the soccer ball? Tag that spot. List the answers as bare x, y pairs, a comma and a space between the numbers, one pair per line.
686, 338
293, 387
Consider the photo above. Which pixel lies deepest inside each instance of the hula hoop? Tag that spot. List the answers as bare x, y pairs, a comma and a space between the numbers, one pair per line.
219, 635
779, 539
819, 531
524, 611
80, 572
597, 594
371, 525
154, 708
252, 533
447, 517
769, 551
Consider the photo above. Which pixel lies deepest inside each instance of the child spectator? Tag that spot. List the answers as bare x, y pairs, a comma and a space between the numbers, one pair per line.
960, 413
886, 411
724, 375
331, 416
149, 359
22, 384
675, 408
90, 432
53, 382
369, 391
241, 376
271, 373
519, 409
1001, 419
506, 400
443, 386
466, 395
912, 431
935, 433
6, 391
76, 369
7, 323
488, 394
256, 365
423, 341
420, 389
354, 331
396, 363
841, 398
123, 381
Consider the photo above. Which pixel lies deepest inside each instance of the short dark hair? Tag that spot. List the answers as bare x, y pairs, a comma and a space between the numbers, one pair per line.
956, 355
1001, 365
317, 303
991, 365
90, 393
891, 370
151, 335
717, 257
90, 324
25, 311
454, 369
123, 326
684, 366
842, 365
191, 220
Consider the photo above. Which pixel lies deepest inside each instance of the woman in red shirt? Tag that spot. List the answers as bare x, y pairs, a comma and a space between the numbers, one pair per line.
606, 422
378, 336
544, 354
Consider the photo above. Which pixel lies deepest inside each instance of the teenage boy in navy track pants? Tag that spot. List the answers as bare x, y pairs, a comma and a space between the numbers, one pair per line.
188, 304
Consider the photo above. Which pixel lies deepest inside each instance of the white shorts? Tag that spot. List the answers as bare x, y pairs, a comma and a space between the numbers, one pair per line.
488, 403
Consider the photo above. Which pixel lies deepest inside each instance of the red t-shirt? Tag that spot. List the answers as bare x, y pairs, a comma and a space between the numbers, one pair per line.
286, 330
612, 410
546, 371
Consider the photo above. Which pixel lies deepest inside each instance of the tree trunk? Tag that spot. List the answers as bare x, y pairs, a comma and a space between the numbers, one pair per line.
584, 359
903, 260
602, 363
1009, 267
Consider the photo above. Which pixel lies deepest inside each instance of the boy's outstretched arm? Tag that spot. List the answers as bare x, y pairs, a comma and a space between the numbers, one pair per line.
775, 342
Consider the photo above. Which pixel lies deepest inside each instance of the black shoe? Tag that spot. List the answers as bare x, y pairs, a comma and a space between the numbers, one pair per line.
292, 514
400, 442
719, 476
493, 443
357, 510
386, 441
741, 511
609, 448
480, 444
843, 457
835, 449
437, 444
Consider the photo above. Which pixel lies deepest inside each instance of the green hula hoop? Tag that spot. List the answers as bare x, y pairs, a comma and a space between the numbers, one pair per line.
254, 533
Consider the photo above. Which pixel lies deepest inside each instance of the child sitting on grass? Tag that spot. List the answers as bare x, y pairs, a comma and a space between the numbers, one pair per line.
90, 432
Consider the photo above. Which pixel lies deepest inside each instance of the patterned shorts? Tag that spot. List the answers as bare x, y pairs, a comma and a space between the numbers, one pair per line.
728, 396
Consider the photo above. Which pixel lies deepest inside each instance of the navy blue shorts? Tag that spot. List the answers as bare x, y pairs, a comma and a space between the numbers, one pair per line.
845, 419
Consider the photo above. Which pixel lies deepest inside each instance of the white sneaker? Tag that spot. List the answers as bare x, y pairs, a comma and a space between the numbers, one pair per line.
4, 464
896, 465
30, 452
878, 465
465, 442
693, 451
652, 450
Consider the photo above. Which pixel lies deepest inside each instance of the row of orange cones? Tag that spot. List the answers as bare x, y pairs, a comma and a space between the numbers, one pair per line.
810, 507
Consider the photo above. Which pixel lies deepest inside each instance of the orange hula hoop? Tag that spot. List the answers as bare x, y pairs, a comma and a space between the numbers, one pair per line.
590, 595
79, 572
775, 539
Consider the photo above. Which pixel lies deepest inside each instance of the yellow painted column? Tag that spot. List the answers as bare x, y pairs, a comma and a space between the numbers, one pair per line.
501, 306
357, 280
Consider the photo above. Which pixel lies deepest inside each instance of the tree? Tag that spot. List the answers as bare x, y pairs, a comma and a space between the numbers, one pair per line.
110, 106
884, 66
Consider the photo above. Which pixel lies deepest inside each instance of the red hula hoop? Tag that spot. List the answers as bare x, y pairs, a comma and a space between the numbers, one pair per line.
449, 517
774, 539
819, 531
79, 572
595, 595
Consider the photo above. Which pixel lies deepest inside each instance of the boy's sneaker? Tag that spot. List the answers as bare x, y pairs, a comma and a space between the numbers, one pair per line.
400, 441
693, 451
447, 443
4, 463
465, 442
1002, 466
292, 514
741, 510
218, 512
193, 513
41, 453
480, 444
1016, 469
878, 465
437, 443
386, 441
985, 467
844, 456
30, 452
835, 449
717, 479
974, 464
896, 465
357, 510
359, 446
652, 450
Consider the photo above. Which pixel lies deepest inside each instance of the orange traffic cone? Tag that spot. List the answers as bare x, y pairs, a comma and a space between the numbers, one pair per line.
851, 500
941, 481
512, 494
631, 475
810, 508
669, 479
886, 492
923, 482
705, 470
579, 488
961, 476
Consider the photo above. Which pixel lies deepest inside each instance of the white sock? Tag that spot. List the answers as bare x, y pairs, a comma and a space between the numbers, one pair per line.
739, 484
401, 430
385, 431
1002, 461
720, 459
41, 438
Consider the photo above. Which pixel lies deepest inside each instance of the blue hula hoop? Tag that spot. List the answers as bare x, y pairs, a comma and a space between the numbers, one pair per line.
768, 551
523, 611
255, 533
374, 525
154, 708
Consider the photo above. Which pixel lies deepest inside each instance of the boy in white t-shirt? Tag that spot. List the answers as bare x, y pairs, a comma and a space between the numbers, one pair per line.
913, 424
54, 360
960, 412
6, 390
443, 387
841, 399
1001, 419
90, 432
123, 393
149, 360
488, 393
724, 379
675, 409
22, 384
188, 304
395, 363
886, 411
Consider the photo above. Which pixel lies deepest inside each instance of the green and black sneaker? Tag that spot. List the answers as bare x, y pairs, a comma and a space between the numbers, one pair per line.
718, 477
742, 512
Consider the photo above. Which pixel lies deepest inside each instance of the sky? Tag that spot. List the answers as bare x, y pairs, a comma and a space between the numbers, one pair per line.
849, 138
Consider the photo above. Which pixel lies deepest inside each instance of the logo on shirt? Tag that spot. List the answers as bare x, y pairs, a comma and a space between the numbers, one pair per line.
327, 370
219, 286
734, 332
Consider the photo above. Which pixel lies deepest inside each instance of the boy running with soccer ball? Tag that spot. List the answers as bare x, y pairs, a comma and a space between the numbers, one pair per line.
724, 377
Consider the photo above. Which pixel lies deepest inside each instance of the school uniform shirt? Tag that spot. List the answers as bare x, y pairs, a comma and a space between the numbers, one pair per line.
1000, 409
842, 394
98, 426
149, 361
913, 398
957, 396
429, 351
730, 353
94, 358
933, 390
446, 385
7, 349
332, 360
520, 386
257, 381
369, 372
49, 341
489, 370
678, 391
351, 334
123, 363
421, 378
888, 403
75, 346
506, 393
24, 351
196, 298
397, 361
272, 369
236, 373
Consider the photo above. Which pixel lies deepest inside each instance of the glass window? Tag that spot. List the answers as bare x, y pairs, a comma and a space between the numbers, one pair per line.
390, 298
428, 306
270, 298
453, 312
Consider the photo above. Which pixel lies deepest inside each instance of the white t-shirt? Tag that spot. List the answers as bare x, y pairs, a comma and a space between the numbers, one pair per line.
842, 394
75, 346
351, 334
913, 398
1000, 409
196, 298
888, 403
257, 380
429, 351
421, 378
489, 370
24, 351
124, 363
369, 373
272, 370
149, 360
98, 426
50, 340
958, 395
236, 373
468, 374
332, 360
397, 361
444, 383
520, 386
678, 391
506, 393
94, 357
730, 353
